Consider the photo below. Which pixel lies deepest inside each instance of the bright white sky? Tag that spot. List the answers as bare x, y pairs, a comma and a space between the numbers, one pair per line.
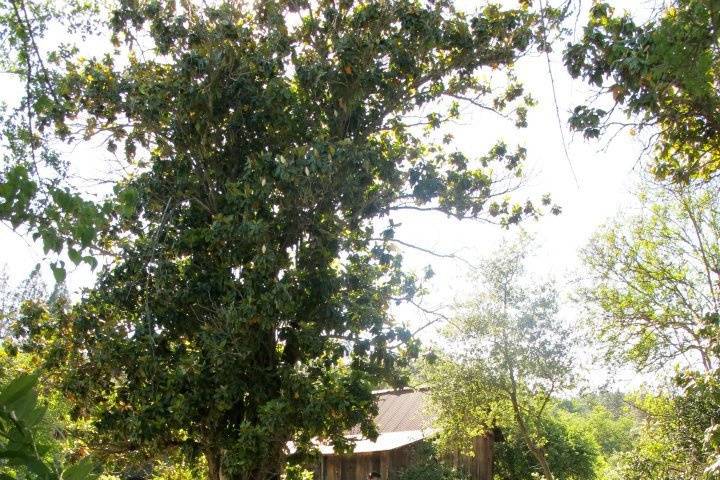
605, 180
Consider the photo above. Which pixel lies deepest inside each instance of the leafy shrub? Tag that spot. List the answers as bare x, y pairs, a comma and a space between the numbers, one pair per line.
571, 452
20, 452
297, 472
427, 465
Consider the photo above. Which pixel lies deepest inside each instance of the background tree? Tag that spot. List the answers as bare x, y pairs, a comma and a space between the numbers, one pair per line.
6, 303
571, 451
653, 295
605, 417
610, 423
654, 279
664, 74
37, 437
514, 354
669, 438
427, 464
12, 296
248, 300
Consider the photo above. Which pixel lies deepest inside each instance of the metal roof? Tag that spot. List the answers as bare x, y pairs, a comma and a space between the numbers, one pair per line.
385, 441
403, 418
401, 411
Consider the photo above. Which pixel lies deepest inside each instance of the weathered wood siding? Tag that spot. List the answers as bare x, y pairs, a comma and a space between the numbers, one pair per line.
358, 466
480, 465
389, 463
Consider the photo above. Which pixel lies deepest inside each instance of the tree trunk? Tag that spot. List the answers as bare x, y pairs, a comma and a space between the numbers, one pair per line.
269, 470
213, 459
538, 452
484, 447
540, 456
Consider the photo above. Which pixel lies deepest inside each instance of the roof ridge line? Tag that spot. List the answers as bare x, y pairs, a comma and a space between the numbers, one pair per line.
419, 388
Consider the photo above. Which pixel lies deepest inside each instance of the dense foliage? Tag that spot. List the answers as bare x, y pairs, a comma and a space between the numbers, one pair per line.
37, 437
606, 417
571, 451
23, 454
669, 440
427, 464
261, 153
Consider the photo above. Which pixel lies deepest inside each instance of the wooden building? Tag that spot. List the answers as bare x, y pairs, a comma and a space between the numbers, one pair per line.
404, 421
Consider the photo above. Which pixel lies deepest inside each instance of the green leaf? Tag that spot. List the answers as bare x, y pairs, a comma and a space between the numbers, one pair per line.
90, 260
18, 457
24, 406
18, 388
58, 270
79, 471
34, 417
74, 255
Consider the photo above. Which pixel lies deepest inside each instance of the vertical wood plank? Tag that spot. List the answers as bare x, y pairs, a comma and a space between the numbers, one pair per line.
336, 468
483, 461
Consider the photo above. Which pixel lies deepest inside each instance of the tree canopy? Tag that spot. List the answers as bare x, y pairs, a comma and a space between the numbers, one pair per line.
262, 156
653, 300
663, 73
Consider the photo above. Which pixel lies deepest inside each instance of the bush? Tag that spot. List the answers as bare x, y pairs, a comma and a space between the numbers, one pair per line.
571, 452
297, 472
427, 465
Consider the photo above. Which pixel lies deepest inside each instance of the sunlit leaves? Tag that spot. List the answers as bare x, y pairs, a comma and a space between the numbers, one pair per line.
655, 279
655, 292
20, 453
